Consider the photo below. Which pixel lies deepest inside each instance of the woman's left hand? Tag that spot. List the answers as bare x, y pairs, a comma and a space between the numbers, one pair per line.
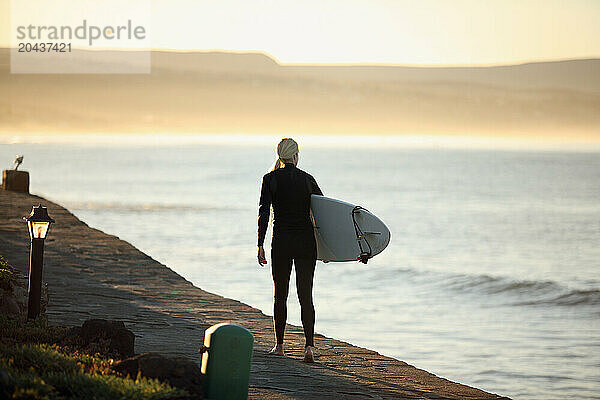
262, 260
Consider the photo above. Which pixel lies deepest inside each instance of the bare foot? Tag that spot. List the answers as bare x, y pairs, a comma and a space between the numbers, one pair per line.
277, 350
309, 357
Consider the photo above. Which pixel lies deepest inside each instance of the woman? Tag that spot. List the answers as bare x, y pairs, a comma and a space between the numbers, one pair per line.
288, 189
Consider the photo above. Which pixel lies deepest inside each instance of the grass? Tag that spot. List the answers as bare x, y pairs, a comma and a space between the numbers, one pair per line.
34, 365
14, 331
42, 371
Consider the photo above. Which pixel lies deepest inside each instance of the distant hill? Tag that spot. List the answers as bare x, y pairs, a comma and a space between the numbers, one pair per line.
231, 92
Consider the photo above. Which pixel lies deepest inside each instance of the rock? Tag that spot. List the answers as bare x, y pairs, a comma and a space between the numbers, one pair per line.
8, 305
95, 327
121, 339
110, 338
17, 288
21, 296
179, 372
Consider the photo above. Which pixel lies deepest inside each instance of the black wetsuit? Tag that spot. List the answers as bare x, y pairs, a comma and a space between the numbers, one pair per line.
288, 190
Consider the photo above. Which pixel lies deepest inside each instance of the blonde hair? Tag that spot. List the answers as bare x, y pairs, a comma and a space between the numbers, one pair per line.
286, 150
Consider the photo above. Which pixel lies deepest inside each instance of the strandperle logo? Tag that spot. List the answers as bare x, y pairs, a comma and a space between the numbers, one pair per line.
80, 36
85, 31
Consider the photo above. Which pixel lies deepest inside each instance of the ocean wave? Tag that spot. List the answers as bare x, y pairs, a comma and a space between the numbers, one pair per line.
493, 284
571, 298
519, 292
527, 292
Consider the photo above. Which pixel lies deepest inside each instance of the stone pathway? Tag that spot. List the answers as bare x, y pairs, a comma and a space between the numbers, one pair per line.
91, 274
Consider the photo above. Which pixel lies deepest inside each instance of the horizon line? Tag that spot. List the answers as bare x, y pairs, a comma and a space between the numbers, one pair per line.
341, 64
423, 141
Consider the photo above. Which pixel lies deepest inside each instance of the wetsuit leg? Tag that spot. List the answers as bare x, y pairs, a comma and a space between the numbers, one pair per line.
281, 268
305, 271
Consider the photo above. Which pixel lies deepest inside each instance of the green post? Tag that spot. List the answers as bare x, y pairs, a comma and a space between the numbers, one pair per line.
226, 363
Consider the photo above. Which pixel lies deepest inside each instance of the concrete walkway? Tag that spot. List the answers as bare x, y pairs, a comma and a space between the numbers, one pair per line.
91, 274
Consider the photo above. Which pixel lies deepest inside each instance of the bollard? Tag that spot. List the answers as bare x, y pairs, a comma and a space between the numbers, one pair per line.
226, 362
38, 224
17, 181
36, 262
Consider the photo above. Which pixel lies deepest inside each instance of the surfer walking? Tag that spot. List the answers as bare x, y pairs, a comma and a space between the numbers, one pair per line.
288, 189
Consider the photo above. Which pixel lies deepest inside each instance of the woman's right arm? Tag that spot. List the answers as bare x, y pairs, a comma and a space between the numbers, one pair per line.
264, 210
313, 186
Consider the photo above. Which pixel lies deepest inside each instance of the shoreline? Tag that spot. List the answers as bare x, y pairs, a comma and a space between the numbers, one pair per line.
91, 274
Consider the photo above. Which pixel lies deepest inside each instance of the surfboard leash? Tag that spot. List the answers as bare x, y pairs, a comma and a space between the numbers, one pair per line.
360, 236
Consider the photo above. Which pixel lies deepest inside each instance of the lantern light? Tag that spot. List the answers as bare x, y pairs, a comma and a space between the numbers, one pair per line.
38, 222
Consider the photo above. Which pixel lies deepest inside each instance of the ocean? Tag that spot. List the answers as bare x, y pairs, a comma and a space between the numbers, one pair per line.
491, 278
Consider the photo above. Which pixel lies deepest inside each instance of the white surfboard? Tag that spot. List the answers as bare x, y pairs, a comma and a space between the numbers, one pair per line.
346, 232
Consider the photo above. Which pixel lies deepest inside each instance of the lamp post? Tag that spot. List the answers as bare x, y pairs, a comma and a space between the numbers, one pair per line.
38, 223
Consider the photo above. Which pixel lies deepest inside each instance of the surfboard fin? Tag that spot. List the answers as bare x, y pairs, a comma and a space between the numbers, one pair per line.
363, 257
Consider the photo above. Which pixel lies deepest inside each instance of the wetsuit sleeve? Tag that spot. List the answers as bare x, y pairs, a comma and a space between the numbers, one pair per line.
313, 186
264, 210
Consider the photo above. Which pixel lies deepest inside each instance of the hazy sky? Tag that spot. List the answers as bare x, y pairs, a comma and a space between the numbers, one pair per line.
379, 31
